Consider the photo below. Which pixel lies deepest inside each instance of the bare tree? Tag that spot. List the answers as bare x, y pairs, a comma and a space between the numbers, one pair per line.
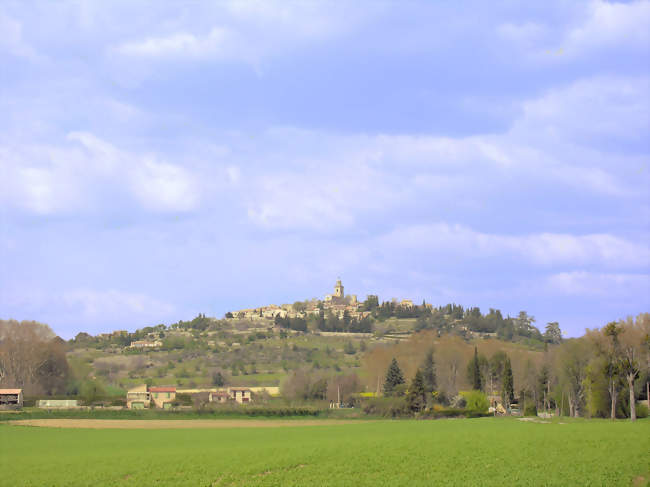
632, 341
32, 357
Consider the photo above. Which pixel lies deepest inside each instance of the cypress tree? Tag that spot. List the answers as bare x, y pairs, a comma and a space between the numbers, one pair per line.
429, 373
394, 377
417, 396
477, 382
507, 388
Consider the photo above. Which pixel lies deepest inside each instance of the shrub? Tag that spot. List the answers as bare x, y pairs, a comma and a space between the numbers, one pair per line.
388, 407
641, 410
531, 410
476, 401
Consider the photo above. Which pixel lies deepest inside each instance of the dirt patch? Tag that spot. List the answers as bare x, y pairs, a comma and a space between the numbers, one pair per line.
175, 423
534, 420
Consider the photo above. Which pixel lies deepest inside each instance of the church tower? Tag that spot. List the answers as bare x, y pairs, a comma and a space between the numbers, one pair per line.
338, 289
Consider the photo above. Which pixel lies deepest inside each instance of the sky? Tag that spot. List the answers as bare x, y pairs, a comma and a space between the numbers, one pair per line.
164, 159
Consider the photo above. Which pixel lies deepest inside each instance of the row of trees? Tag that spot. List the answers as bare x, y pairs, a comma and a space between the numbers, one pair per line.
331, 322
423, 388
602, 374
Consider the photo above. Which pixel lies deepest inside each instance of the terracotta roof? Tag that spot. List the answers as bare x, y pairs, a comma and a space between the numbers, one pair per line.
10, 391
162, 389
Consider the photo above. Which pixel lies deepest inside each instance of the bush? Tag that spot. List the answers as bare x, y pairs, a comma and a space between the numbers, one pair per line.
531, 410
641, 410
476, 401
388, 407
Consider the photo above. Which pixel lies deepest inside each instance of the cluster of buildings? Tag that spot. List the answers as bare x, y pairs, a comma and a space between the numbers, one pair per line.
146, 344
337, 303
145, 397
140, 397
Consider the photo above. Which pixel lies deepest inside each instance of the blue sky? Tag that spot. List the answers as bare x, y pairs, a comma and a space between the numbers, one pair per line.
164, 159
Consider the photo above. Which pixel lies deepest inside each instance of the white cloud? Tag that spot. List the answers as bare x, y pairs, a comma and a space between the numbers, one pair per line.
90, 174
583, 283
588, 109
11, 38
610, 24
102, 304
546, 249
214, 43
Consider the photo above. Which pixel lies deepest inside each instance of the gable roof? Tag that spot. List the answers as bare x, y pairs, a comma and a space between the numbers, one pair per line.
10, 391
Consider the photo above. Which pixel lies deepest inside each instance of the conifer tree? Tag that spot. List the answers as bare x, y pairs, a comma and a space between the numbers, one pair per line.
416, 398
429, 373
507, 389
475, 372
394, 377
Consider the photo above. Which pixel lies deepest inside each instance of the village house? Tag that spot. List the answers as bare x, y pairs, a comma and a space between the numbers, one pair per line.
162, 397
219, 396
11, 398
242, 395
138, 397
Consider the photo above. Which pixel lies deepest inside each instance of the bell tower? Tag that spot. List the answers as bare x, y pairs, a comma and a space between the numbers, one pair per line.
338, 289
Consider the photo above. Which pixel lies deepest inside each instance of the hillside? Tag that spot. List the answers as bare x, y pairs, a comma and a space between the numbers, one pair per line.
206, 351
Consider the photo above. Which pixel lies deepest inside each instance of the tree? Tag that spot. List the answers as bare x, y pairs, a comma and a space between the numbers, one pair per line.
91, 391
218, 379
553, 334
429, 373
612, 366
416, 399
32, 358
573, 360
497, 366
543, 384
507, 385
474, 372
394, 377
349, 349
632, 342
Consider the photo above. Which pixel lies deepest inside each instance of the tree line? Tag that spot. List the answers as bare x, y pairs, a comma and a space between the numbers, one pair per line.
602, 374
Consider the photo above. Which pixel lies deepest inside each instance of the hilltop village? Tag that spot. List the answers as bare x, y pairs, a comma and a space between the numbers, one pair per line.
336, 303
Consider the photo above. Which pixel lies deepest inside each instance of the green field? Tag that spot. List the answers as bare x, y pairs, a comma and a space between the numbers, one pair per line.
487, 451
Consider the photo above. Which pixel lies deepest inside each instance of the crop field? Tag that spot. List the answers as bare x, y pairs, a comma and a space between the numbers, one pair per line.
486, 451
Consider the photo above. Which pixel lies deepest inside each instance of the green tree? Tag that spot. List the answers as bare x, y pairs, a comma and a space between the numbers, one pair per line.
476, 401
474, 372
91, 391
553, 334
349, 348
394, 377
218, 379
429, 373
507, 385
416, 399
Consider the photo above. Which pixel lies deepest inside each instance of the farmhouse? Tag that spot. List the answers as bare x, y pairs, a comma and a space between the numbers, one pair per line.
242, 395
11, 398
162, 397
138, 397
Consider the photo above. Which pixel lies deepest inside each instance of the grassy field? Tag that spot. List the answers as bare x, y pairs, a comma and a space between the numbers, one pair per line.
488, 451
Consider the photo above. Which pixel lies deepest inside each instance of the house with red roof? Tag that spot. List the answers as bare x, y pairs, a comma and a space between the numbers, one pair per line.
162, 397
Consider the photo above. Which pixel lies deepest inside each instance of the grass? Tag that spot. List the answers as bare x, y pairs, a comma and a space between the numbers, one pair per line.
488, 451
